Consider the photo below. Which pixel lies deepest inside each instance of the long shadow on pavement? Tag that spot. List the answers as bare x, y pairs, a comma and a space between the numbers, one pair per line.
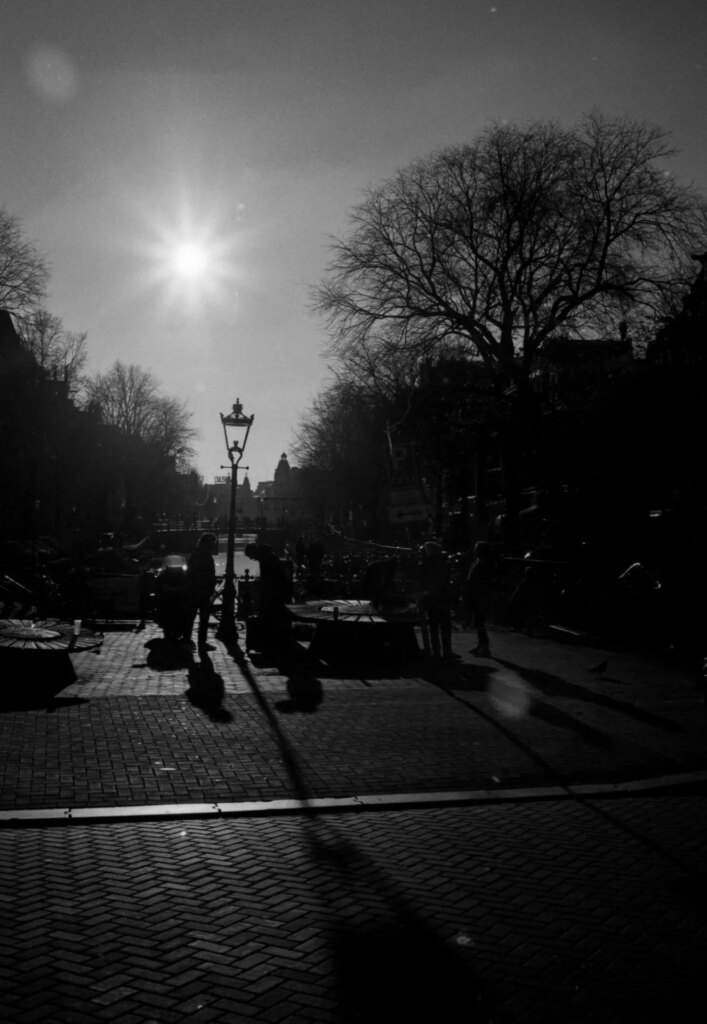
688, 882
554, 686
390, 965
505, 692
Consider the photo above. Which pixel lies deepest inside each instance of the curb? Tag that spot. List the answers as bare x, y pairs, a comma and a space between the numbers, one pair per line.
381, 801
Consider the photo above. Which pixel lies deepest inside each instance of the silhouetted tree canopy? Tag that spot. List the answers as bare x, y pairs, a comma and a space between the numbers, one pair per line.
499, 243
341, 447
128, 397
23, 274
61, 353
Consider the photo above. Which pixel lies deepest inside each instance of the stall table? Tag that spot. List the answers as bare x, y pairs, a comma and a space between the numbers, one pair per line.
358, 630
40, 650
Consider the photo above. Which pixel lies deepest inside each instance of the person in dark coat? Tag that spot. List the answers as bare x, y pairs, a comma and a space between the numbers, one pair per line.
275, 591
379, 581
201, 575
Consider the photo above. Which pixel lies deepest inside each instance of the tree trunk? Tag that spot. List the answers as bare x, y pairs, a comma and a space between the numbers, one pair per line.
511, 450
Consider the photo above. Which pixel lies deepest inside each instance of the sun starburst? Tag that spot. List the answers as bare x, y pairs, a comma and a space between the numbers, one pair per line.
193, 260
190, 260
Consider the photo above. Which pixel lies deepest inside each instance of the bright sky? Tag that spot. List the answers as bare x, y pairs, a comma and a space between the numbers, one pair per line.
184, 163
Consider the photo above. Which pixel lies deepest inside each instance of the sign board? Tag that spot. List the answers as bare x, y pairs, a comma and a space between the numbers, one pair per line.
407, 499
407, 496
408, 505
408, 513
403, 465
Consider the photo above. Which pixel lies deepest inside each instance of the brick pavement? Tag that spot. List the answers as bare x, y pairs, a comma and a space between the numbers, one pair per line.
555, 912
536, 913
134, 730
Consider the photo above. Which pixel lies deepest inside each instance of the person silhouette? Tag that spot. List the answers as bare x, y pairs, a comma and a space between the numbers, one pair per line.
201, 577
479, 582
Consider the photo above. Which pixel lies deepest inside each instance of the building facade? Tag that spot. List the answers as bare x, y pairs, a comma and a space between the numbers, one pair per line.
273, 502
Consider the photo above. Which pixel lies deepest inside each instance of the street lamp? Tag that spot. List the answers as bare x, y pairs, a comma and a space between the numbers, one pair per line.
236, 428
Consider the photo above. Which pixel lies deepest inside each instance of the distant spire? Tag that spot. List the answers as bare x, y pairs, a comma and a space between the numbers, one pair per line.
281, 481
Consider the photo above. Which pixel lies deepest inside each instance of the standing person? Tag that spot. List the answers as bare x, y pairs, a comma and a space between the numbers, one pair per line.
436, 581
479, 583
201, 573
275, 591
315, 556
379, 581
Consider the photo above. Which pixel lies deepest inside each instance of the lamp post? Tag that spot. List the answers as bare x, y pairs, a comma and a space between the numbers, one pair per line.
238, 427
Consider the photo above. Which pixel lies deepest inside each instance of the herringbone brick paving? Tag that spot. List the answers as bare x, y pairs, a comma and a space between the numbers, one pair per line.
133, 730
542, 912
556, 913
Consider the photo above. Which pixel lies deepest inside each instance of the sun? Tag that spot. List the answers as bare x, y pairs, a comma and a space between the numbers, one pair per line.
190, 261
192, 257
190, 267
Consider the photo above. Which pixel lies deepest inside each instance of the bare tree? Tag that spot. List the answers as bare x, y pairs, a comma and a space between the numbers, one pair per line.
60, 352
169, 430
23, 274
500, 243
128, 398
340, 445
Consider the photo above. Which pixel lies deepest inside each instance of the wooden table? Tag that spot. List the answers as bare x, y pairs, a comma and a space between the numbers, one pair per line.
358, 630
31, 649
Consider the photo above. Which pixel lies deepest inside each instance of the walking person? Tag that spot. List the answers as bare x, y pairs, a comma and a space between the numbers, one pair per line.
479, 584
201, 574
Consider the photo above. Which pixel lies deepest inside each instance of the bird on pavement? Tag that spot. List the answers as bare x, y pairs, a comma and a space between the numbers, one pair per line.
601, 667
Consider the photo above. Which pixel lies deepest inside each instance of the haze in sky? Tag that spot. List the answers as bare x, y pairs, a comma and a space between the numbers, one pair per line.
184, 163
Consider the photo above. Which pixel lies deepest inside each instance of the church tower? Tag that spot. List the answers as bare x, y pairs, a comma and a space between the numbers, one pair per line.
281, 483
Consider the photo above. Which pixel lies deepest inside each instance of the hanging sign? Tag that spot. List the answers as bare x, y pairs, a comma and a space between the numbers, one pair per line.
407, 502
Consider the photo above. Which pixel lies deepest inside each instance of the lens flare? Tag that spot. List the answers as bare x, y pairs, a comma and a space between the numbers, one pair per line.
52, 74
509, 695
